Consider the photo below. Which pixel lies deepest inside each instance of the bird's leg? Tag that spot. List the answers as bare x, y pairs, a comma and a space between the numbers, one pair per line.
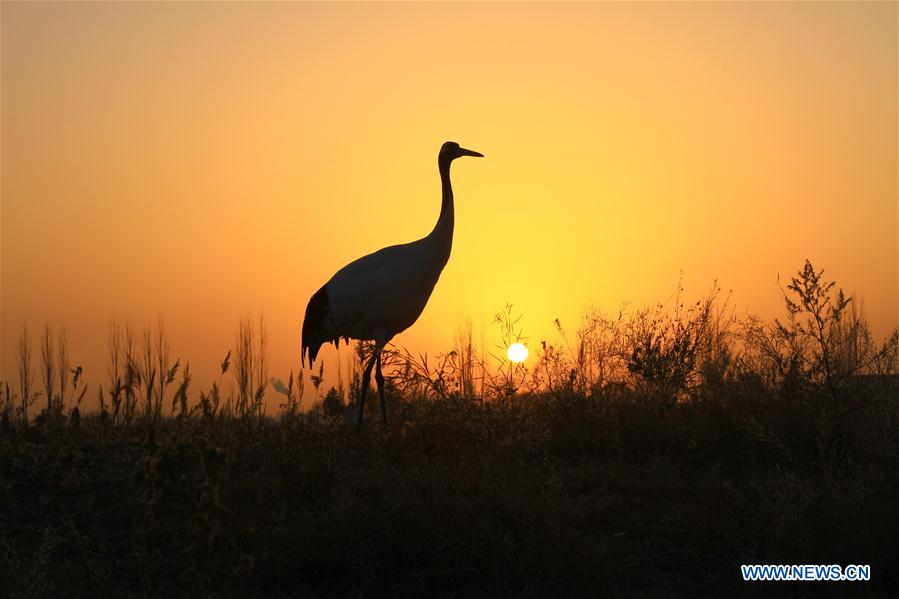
379, 378
366, 378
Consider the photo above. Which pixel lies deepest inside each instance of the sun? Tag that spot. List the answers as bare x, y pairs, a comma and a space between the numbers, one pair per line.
517, 352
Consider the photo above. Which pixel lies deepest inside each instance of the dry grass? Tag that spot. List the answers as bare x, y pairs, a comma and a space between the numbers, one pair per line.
645, 454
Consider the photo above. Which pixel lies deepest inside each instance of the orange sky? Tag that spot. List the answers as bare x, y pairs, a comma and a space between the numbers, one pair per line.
202, 161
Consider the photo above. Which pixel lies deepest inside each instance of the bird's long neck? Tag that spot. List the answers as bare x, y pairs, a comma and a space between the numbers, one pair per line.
441, 238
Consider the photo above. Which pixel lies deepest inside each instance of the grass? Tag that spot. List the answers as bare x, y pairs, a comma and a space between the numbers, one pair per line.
646, 454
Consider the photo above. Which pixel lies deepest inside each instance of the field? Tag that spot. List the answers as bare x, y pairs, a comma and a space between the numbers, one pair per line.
648, 456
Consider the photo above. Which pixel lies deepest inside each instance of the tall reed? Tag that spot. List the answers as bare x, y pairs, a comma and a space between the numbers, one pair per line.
26, 376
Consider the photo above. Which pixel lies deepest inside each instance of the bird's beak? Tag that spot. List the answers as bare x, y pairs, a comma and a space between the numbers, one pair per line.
464, 152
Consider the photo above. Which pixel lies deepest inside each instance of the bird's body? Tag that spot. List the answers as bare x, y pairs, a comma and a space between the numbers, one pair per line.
382, 294
396, 283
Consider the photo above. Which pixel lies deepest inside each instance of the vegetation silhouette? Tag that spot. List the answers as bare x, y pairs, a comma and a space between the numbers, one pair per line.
382, 294
647, 453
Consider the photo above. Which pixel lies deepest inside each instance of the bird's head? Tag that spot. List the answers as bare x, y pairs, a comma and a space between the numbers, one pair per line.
451, 150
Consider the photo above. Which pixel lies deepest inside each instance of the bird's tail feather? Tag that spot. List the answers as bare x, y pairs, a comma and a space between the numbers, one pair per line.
315, 326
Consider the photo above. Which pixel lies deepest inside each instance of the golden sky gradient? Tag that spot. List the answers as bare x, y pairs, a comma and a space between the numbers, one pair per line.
202, 161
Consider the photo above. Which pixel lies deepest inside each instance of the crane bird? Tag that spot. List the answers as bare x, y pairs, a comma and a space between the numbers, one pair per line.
382, 294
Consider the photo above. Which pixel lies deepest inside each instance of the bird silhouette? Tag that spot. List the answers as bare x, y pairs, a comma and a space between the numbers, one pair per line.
382, 294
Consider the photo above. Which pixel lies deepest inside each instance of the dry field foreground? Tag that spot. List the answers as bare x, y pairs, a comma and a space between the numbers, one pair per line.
650, 459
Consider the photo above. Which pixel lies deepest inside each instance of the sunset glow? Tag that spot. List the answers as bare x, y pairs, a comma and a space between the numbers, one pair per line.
204, 161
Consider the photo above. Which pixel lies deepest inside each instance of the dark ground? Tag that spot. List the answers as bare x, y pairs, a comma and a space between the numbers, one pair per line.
542, 497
